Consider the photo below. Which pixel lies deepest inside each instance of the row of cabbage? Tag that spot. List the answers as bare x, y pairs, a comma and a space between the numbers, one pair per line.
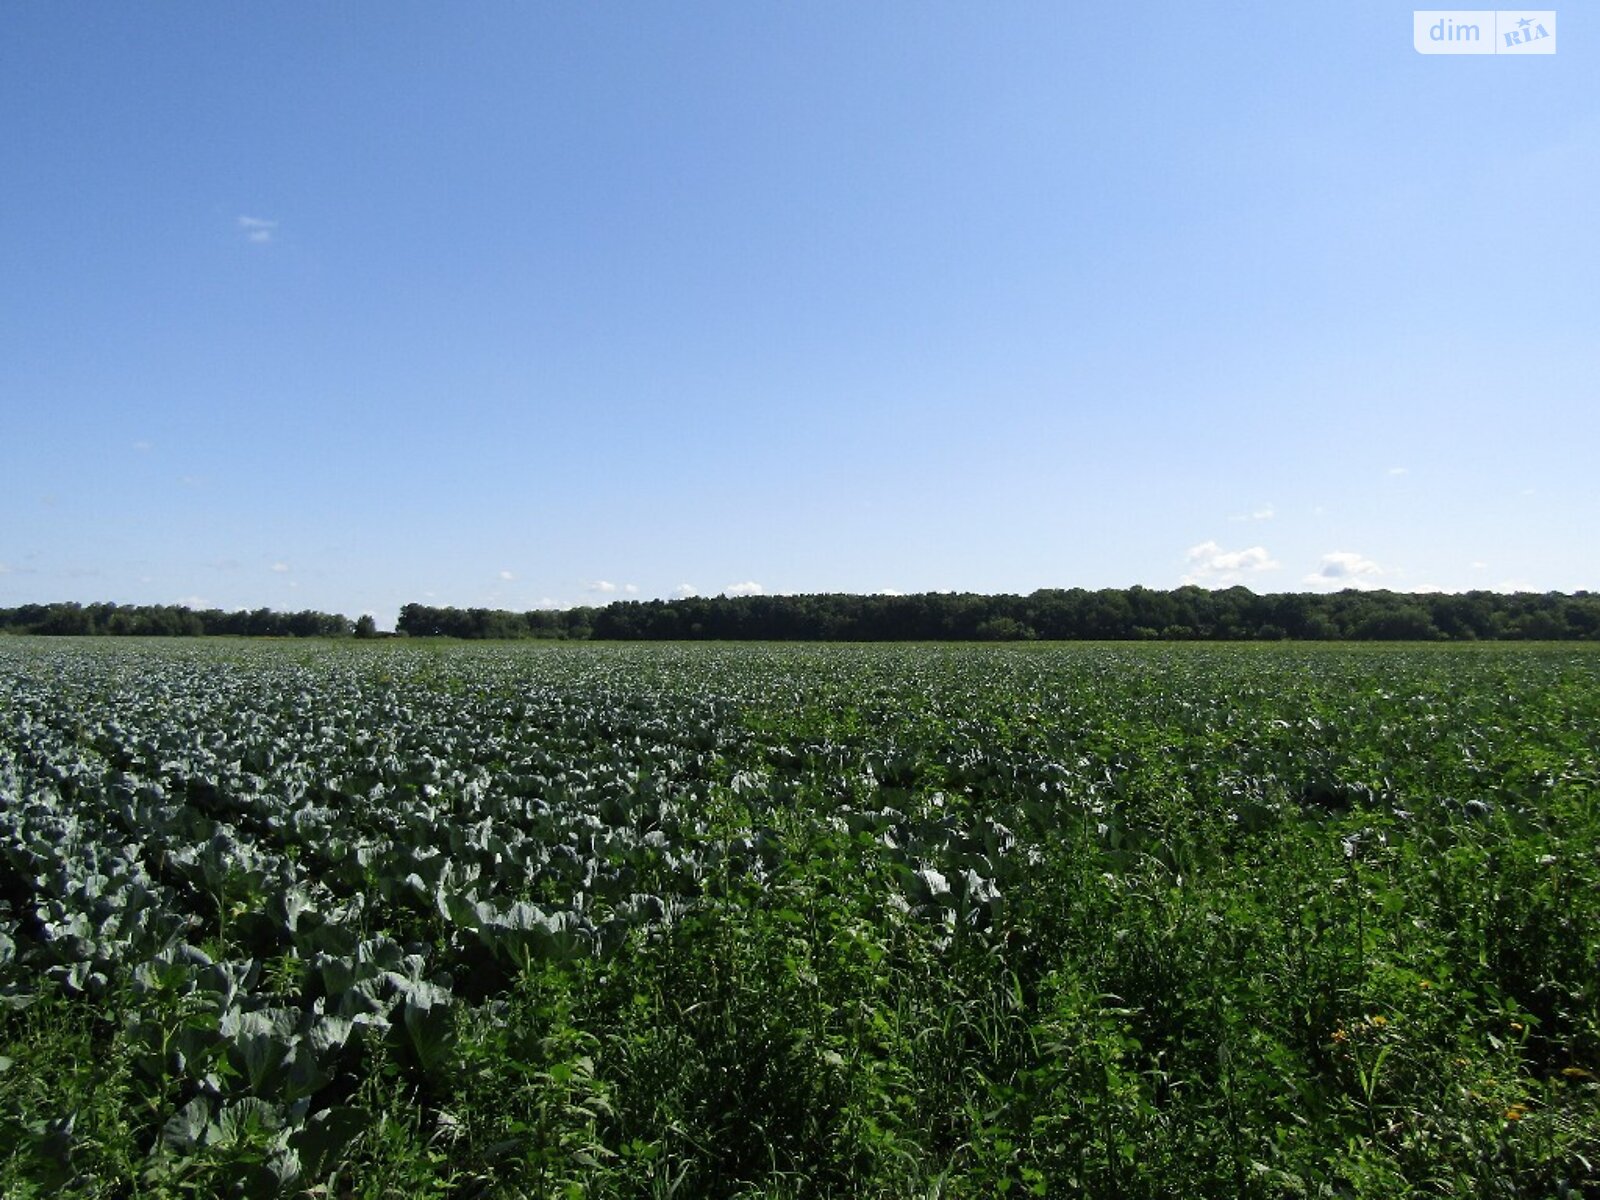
178, 823
308, 847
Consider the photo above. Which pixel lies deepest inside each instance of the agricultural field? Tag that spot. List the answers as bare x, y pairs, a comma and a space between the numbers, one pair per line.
393, 919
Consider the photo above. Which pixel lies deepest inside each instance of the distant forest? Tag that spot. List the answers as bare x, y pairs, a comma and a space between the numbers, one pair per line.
174, 620
1187, 614
1136, 613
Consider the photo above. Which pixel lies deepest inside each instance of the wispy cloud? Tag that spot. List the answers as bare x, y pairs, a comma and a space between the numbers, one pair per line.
280, 568
603, 586
684, 590
258, 229
507, 576
1397, 471
143, 446
748, 588
1263, 513
1211, 566
1346, 569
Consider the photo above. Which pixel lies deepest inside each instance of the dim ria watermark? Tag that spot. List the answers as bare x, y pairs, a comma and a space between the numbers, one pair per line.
1483, 31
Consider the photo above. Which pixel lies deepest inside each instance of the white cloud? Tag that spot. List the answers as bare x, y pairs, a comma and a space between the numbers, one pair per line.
631, 588
1398, 471
191, 602
280, 568
507, 576
604, 586
1346, 569
1264, 513
1478, 565
684, 590
143, 446
748, 588
1212, 566
890, 592
257, 230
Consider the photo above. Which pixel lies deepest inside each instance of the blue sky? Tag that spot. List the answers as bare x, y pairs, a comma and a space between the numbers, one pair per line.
341, 306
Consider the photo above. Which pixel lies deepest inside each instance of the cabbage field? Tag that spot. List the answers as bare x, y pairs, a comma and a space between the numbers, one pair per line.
404, 919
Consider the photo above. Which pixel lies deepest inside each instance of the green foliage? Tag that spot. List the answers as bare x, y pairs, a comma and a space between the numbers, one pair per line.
470, 920
171, 620
1123, 614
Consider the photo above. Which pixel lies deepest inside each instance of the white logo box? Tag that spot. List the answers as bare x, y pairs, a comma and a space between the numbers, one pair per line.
1484, 31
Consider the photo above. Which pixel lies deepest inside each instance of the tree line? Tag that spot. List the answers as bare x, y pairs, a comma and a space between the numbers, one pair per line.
1072, 614
418, 620
174, 620
1136, 613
